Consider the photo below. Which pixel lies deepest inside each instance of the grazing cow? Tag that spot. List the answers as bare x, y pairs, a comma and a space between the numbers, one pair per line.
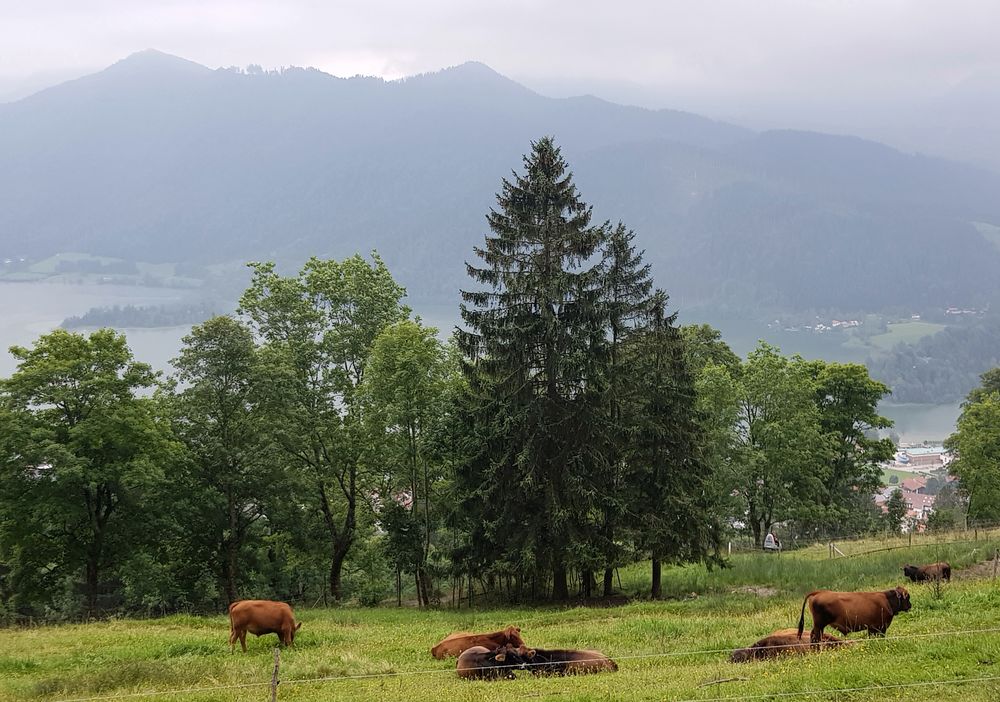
853, 611
934, 571
454, 644
261, 617
542, 661
480, 663
779, 643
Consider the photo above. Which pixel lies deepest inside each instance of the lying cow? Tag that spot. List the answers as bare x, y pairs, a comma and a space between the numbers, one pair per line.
934, 571
853, 611
454, 644
541, 661
480, 663
261, 617
779, 643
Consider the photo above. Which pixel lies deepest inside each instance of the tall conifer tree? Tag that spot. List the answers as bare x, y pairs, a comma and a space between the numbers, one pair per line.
532, 338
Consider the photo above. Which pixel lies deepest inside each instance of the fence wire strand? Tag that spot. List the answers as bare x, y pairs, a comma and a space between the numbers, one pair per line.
639, 656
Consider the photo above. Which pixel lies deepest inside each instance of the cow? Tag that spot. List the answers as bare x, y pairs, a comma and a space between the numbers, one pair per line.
542, 661
480, 663
934, 571
454, 644
261, 617
779, 643
853, 611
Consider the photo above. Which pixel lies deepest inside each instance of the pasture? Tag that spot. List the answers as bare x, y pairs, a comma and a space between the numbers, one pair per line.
675, 649
904, 332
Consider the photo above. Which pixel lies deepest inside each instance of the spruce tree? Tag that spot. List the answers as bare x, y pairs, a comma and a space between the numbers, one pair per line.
532, 346
674, 504
626, 286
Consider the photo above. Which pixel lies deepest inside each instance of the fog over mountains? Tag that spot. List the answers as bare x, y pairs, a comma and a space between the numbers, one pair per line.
160, 159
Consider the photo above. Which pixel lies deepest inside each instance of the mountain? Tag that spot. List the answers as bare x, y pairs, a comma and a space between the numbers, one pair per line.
160, 159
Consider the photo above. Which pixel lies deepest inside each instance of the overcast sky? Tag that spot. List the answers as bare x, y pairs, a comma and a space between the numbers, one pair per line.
721, 56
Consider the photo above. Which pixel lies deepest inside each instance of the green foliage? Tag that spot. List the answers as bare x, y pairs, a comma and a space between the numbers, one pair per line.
896, 509
81, 453
318, 330
941, 368
977, 446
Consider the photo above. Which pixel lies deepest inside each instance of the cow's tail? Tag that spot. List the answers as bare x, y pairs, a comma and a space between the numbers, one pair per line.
802, 616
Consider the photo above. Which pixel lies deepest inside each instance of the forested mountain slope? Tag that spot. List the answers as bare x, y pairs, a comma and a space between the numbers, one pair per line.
160, 159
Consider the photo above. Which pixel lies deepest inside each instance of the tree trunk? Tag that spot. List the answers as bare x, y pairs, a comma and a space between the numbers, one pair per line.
93, 569
230, 548
657, 590
560, 583
609, 575
336, 566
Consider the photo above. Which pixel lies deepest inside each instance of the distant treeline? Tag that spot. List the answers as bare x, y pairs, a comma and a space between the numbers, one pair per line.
941, 368
142, 316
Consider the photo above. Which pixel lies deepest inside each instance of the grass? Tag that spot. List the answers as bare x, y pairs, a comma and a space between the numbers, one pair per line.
904, 332
130, 656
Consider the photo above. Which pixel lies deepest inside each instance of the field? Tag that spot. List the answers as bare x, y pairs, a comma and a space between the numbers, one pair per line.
671, 650
904, 332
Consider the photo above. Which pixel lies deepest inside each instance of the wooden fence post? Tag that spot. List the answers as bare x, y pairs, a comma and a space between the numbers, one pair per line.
274, 675
996, 559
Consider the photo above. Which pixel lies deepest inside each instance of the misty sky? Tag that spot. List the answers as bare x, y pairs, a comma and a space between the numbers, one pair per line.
726, 57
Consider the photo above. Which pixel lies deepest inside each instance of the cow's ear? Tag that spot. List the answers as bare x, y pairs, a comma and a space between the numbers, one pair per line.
298, 626
501, 657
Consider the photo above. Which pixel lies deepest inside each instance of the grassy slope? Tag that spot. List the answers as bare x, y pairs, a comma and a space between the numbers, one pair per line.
124, 656
904, 332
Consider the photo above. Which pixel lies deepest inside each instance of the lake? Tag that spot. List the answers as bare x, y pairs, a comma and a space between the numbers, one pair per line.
28, 310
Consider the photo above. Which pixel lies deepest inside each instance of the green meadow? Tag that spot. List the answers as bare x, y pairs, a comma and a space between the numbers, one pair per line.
675, 649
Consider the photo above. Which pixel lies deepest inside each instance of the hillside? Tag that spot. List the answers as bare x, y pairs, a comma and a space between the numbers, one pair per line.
159, 159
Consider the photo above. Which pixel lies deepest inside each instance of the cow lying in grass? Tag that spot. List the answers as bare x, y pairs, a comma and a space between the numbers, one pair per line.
780, 643
542, 661
934, 571
454, 644
481, 663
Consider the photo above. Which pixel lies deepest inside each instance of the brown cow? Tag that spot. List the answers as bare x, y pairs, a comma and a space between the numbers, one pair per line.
934, 571
853, 611
564, 662
261, 617
480, 663
454, 644
779, 643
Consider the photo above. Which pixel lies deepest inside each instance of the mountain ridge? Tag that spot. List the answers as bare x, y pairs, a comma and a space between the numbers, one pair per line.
159, 158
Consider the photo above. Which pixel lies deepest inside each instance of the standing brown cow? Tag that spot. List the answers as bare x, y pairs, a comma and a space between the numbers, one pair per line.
454, 644
261, 617
853, 611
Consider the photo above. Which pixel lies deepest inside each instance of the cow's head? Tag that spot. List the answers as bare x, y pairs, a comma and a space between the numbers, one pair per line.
899, 600
512, 636
525, 655
910, 571
297, 627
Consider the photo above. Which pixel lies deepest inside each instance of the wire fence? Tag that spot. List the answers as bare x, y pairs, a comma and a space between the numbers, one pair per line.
274, 682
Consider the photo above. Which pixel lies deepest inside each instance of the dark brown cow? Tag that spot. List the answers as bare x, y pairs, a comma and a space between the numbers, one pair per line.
454, 644
480, 663
853, 611
779, 643
934, 571
261, 617
542, 661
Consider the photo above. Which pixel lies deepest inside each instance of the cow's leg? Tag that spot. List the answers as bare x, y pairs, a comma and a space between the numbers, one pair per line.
816, 635
232, 640
243, 640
